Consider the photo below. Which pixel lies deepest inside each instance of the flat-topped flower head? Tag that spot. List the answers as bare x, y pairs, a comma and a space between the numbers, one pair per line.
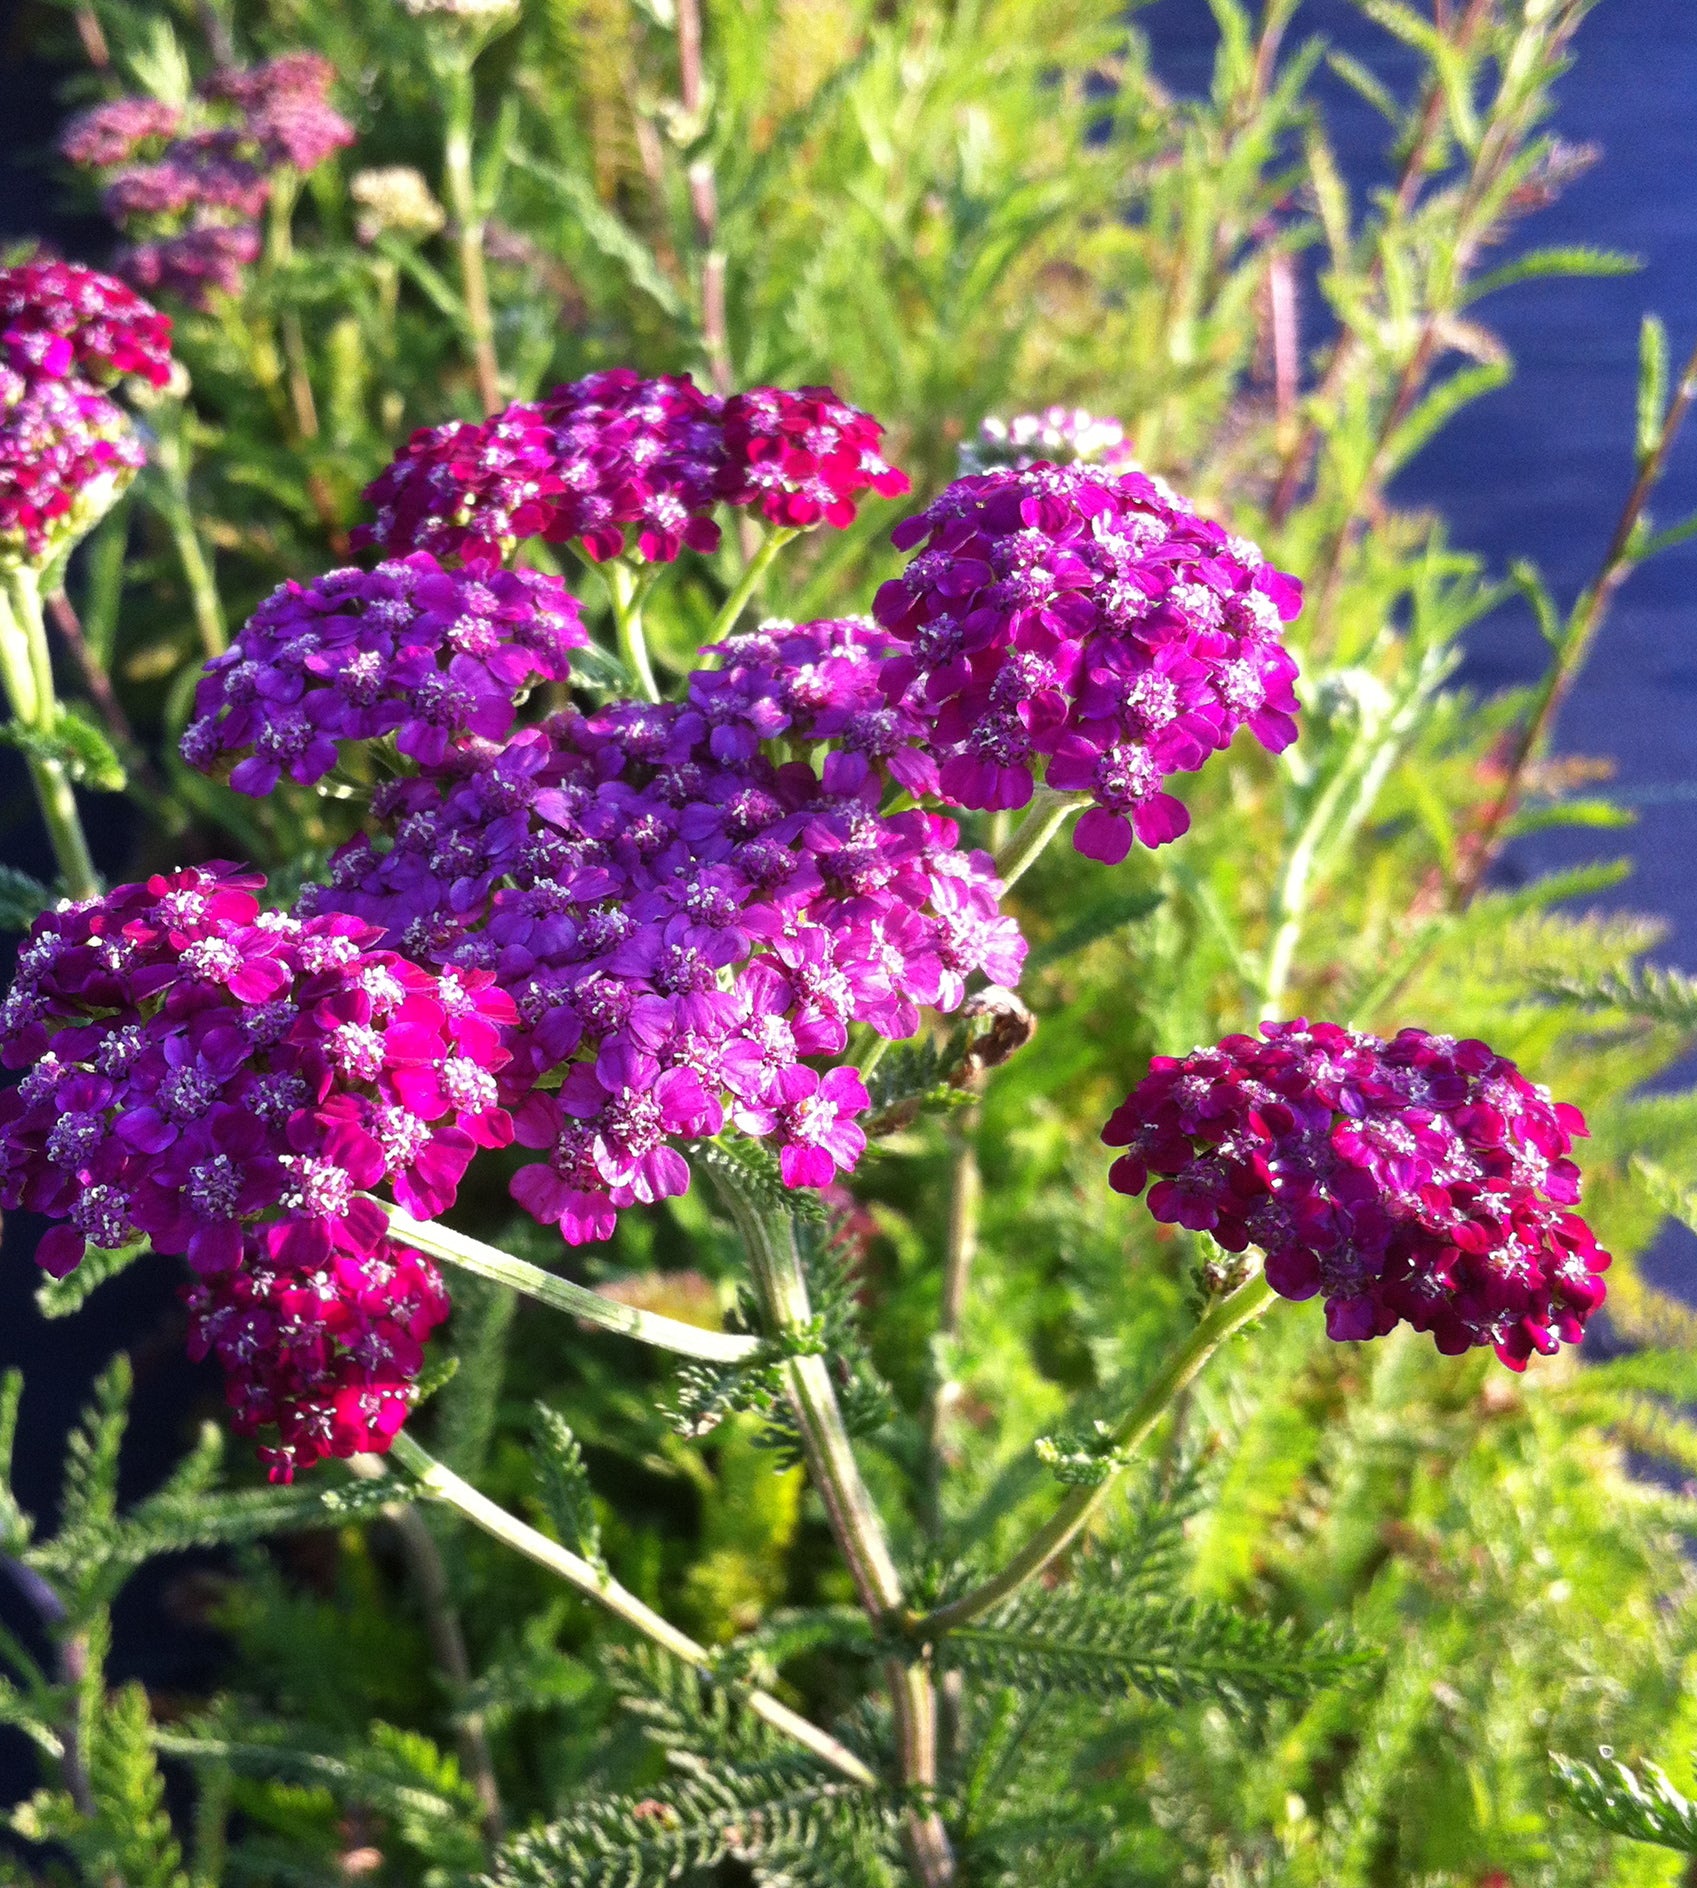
230, 1082
689, 927
57, 318
188, 183
434, 658
66, 454
1421, 1180
1079, 626
626, 466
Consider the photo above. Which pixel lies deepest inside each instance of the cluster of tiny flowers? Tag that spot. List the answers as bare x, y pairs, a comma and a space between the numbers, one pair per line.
1059, 435
689, 930
1422, 1180
430, 656
67, 450
190, 187
1085, 624
228, 1082
57, 318
616, 462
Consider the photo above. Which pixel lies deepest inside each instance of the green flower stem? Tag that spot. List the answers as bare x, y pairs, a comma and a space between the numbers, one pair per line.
26, 673
1229, 1315
441, 1482
171, 494
460, 188
647, 1327
746, 585
627, 590
768, 1237
1047, 813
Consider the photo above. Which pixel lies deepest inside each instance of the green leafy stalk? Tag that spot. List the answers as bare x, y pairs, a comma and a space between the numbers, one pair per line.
26, 673
460, 187
647, 1327
1046, 815
1222, 1320
730, 612
438, 1480
627, 588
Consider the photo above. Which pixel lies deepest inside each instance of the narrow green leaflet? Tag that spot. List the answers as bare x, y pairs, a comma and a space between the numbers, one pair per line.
1637, 1802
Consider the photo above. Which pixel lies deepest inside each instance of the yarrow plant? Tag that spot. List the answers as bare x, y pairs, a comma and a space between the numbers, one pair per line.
650, 937
189, 184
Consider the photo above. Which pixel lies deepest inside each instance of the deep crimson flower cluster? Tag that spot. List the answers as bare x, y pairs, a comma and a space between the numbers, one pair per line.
430, 656
616, 462
1422, 1180
1077, 621
189, 187
56, 318
227, 1081
687, 929
66, 449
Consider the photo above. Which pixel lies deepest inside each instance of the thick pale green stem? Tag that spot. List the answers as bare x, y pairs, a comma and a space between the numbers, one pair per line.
627, 590
1046, 815
595, 1581
1230, 1314
26, 673
647, 1327
460, 188
746, 585
769, 1238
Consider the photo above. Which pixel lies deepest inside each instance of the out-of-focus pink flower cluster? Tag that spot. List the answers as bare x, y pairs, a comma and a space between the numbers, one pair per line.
1076, 622
1422, 1180
66, 448
688, 927
189, 185
226, 1081
1059, 435
430, 656
616, 462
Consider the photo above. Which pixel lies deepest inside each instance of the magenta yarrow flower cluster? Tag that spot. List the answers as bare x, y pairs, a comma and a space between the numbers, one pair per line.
689, 929
1422, 1180
618, 464
1075, 622
228, 1082
1059, 435
190, 187
410, 650
67, 450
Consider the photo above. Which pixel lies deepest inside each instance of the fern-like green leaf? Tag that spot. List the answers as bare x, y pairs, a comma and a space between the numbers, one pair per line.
1087, 1639
89, 1499
762, 1814
1638, 1802
60, 1297
1654, 995
22, 899
564, 1484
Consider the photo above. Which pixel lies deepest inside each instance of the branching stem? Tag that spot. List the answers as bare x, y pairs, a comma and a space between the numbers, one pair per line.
440, 1481
647, 1327
627, 590
26, 674
1227, 1316
1044, 817
769, 1238
746, 585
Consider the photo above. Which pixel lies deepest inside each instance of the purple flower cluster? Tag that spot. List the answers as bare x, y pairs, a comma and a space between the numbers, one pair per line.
228, 1082
190, 187
1423, 1179
1077, 621
433, 657
616, 462
688, 928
